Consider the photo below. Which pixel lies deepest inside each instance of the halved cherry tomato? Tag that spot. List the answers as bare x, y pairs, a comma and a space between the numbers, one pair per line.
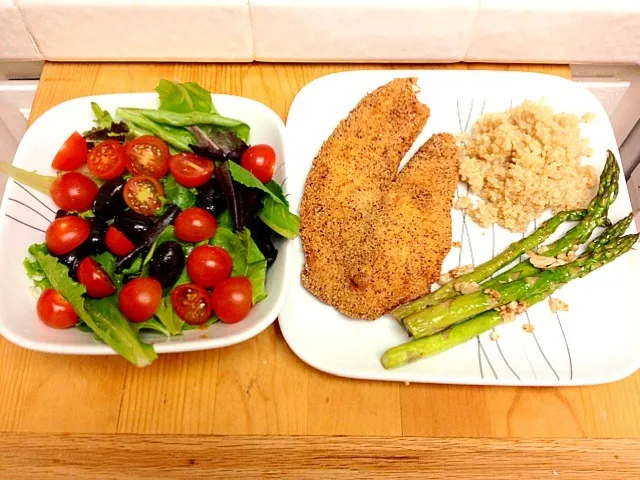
143, 195
259, 160
192, 303
190, 170
195, 225
118, 243
74, 192
107, 160
95, 279
66, 234
140, 298
55, 311
72, 154
147, 155
208, 265
231, 299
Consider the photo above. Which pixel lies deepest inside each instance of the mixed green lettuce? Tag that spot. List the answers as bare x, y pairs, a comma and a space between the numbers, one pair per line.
186, 120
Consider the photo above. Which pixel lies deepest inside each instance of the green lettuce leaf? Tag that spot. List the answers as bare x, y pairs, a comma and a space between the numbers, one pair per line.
169, 318
36, 274
102, 316
134, 268
103, 118
225, 220
177, 137
203, 326
278, 217
151, 324
276, 189
232, 243
42, 183
107, 261
176, 193
184, 97
247, 258
256, 266
246, 178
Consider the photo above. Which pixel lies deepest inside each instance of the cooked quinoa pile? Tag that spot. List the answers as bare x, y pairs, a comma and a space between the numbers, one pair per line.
523, 162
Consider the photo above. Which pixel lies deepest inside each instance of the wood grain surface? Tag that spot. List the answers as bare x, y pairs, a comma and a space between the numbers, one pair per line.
260, 387
149, 457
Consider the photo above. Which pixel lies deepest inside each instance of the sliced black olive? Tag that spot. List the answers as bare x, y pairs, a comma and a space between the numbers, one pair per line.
95, 243
167, 263
211, 198
71, 260
109, 201
159, 225
133, 225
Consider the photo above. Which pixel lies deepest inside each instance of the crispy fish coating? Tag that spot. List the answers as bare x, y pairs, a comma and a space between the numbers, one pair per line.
348, 179
410, 234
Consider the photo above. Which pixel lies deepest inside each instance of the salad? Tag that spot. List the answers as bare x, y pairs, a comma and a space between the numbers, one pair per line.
166, 222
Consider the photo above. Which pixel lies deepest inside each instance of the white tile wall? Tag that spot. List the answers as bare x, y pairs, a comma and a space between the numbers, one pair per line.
362, 30
559, 31
15, 41
165, 30
555, 31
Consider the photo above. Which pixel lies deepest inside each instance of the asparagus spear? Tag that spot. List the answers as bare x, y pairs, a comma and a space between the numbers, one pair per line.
615, 231
514, 250
526, 269
438, 317
597, 210
462, 332
593, 217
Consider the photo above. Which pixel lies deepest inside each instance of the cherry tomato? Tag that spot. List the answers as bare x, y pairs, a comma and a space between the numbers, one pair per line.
259, 160
208, 265
118, 243
192, 303
72, 154
195, 225
140, 298
107, 160
147, 155
190, 170
55, 311
95, 279
143, 195
231, 299
66, 234
74, 192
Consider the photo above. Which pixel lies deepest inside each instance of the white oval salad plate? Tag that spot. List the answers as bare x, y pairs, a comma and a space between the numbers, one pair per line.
595, 342
25, 215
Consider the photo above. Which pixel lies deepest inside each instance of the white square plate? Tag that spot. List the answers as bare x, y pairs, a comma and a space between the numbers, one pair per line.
595, 342
25, 215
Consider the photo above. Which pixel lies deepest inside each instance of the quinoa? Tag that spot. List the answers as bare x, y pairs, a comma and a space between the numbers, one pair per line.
523, 162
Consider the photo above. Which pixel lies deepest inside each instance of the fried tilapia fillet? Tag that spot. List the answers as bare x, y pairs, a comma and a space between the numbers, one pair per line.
347, 181
410, 233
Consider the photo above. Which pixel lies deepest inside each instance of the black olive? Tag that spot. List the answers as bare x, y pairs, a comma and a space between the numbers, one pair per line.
95, 243
71, 260
211, 197
167, 263
109, 201
133, 225
63, 213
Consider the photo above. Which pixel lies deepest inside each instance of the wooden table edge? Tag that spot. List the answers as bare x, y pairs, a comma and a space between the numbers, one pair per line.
115, 456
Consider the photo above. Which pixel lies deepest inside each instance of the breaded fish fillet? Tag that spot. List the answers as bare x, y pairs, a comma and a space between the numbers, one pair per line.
410, 234
347, 181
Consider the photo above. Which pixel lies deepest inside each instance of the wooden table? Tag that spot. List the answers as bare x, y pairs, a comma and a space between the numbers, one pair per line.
261, 388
